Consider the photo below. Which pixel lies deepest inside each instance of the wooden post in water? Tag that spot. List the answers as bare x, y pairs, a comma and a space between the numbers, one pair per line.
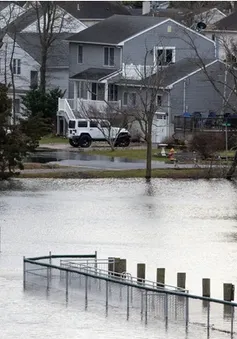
141, 272
228, 292
160, 277
206, 287
120, 265
181, 280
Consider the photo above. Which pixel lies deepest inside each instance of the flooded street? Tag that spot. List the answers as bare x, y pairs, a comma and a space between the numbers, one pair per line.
184, 226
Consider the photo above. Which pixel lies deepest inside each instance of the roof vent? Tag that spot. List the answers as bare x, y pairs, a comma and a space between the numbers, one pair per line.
78, 7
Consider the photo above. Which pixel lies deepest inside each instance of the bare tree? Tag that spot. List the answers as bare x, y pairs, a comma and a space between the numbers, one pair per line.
224, 84
49, 22
110, 119
148, 89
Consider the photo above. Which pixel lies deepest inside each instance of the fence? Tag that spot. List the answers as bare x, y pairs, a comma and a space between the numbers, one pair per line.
86, 277
198, 124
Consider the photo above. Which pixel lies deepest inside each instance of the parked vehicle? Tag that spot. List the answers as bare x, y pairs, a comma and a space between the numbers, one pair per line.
82, 132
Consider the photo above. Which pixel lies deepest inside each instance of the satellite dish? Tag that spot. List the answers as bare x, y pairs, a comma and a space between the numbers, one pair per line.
201, 25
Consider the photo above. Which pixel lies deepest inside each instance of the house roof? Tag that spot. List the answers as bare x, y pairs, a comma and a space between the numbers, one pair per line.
93, 9
95, 74
169, 75
116, 29
58, 53
23, 21
228, 23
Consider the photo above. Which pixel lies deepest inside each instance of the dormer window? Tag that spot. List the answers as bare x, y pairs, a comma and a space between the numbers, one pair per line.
164, 55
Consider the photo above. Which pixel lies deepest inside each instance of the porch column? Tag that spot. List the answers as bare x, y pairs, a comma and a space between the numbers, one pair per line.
64, 127
88, 87
75, 93
58, 125
106, 93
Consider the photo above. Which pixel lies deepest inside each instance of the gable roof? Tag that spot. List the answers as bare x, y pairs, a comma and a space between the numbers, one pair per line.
228, 23
23, 21
93, 9
58, 53
116, 29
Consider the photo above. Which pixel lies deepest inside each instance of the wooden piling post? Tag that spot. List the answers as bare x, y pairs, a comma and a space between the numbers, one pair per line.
206, 287
228, 292
160, 277
181, 280
141, 272
120, 265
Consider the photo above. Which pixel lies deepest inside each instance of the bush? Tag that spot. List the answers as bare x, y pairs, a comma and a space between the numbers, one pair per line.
206, 144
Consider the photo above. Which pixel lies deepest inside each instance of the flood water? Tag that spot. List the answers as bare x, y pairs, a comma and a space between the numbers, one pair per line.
184, 226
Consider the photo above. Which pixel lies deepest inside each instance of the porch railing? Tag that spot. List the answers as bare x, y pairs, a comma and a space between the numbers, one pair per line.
65, 110
84, 106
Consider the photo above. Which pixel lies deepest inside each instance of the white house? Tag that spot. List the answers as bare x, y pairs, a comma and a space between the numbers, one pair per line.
224, 32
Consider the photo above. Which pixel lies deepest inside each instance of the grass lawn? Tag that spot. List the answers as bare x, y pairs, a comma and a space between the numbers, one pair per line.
192, 173
224, 153
52, 139
127, 153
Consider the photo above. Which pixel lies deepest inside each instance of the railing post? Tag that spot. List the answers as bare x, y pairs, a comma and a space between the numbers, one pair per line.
86, 292
128, 302
208, 319
142, 304
166, 310
48, 278
232, 321
146, 306
187, 312
96, 264
66, 286
106, 296
24, 273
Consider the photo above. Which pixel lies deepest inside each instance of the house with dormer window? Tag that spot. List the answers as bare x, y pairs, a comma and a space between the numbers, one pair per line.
110, 61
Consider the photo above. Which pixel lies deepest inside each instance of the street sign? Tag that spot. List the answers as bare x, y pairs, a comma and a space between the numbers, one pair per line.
226, 124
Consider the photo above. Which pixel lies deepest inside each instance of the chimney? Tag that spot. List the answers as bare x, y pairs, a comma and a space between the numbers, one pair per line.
146, 7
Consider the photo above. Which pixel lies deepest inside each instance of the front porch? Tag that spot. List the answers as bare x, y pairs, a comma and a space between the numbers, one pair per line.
94, 96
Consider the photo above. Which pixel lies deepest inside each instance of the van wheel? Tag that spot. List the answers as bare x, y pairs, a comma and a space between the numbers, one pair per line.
74, 143
85, 141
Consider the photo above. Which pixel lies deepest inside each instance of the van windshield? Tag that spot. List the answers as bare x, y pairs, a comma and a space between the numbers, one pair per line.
71, 124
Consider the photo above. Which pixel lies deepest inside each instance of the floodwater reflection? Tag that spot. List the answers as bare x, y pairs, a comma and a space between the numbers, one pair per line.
181, 225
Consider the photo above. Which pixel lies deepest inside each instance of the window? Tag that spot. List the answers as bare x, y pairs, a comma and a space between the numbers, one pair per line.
80, 54
94, 91
108, 56
113, 92
33, 78
93, 123
125, 98
159, 100
71, 124
82, 123
165, 56
129, 99
16, 66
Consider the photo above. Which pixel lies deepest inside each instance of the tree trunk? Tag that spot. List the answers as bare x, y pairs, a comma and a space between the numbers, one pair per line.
148, 149
232, 168
43, 70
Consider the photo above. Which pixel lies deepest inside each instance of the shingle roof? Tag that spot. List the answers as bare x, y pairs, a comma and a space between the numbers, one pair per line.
93, 74
168, 75
115, 29
93, 9
228, 23
58, 53
23, 21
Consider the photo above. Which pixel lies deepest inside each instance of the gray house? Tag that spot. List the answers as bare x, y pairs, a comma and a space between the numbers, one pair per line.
112, 61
